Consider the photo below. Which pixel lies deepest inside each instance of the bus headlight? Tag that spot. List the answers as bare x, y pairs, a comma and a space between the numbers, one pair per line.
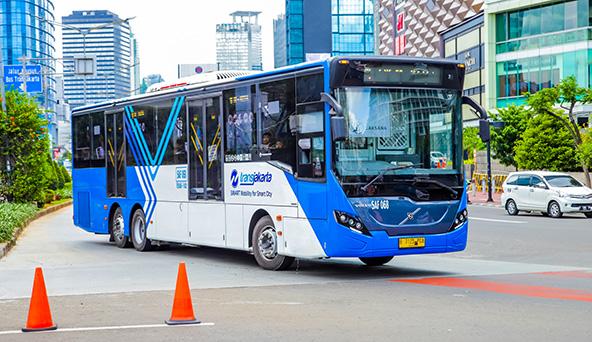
460, 219
351, 222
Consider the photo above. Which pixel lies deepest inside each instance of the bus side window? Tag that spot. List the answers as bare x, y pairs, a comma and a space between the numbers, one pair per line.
98, 139
311, 143
240, 124
278, 103
82, 141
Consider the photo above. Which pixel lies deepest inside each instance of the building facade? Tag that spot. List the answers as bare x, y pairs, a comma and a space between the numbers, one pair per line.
320, 28
465, 42
280, 57
102, 34
150, 80
136, 81
27, 31
412, 27
238, 44
534, 45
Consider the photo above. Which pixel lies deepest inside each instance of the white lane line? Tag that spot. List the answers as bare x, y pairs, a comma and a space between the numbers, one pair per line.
120, 327
493, 220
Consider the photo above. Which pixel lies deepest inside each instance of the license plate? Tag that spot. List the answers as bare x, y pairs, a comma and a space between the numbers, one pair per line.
417, 242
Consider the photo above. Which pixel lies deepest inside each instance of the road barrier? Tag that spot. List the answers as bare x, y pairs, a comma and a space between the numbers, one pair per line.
39, 318
480, 181
182, 304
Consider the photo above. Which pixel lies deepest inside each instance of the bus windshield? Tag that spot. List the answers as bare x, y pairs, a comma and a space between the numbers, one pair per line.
398, 137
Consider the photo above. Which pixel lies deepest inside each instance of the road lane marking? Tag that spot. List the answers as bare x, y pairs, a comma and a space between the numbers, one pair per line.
493, 220
505, 288
119, 327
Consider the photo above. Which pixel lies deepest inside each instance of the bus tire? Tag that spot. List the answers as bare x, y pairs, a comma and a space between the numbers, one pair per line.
376, 261
117, 230
138, 232
265, 246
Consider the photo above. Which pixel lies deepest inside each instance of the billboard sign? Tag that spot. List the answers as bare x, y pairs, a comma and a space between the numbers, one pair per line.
13, 78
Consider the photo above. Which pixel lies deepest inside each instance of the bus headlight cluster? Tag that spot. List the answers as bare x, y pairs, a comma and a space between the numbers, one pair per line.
460, 219
350, 222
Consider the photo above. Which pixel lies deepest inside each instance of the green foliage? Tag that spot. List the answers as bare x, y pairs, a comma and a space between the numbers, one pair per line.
472, 141
65, 174
505, 139
13, 216
24, 145
584, 152
65, 192
546, 145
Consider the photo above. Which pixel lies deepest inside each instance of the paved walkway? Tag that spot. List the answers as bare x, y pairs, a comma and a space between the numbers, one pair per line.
480, 198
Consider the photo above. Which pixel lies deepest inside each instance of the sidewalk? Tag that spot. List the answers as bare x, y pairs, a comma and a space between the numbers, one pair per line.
480, 198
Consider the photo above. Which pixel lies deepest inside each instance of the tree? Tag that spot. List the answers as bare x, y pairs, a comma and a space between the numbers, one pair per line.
546, 145
505, 139
472, 142
24, 147
567, 94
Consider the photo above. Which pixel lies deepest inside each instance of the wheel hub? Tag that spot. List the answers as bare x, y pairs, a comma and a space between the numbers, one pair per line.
267, 243
139, 230
118, 227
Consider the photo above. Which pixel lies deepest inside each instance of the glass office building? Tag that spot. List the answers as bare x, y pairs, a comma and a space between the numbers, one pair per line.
315, 28
26, 30
537, 46
238, 44
352, 27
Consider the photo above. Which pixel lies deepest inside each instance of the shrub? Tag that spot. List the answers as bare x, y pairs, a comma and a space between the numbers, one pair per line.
66, 174
13, 216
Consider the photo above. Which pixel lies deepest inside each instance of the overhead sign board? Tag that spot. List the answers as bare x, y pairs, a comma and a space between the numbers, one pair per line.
13, 78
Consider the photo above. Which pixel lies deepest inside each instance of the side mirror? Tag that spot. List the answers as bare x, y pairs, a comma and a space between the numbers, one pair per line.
338, 128
484, 131
331, 101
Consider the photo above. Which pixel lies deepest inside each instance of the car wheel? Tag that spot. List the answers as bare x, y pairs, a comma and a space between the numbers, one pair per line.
118, 229
138, 232
511, 207
265, 246
554, 210
588, 215
378, 261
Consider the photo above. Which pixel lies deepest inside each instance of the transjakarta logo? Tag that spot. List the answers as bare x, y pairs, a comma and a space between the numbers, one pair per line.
249, 178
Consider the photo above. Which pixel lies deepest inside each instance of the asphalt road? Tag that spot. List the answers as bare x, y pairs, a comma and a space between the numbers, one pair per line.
523, 277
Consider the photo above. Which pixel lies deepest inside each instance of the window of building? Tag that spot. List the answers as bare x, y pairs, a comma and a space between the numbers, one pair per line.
278, 141
240, 123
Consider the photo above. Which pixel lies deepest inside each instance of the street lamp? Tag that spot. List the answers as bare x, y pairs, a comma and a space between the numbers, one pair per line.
84, 32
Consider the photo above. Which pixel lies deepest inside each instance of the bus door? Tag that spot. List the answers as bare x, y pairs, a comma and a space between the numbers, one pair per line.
115, 152
206, 209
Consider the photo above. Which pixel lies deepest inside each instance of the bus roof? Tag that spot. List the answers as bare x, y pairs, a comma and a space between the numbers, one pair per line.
256, 75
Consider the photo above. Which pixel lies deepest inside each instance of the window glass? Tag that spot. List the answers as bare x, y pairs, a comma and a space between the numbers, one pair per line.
176, 149
277, 105
561, 181
82, 141
144, 122
515, 19
512, 180
197, 155
523, 180
98, 139
534, 180
241, 125
309, 88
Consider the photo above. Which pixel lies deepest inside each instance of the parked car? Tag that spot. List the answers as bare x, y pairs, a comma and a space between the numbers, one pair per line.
438, 160
551, 193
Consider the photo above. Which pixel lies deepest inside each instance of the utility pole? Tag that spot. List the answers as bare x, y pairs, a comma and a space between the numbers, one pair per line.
2, 79
24, 74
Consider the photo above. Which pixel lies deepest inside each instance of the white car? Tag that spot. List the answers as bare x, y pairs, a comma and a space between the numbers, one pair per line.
551, 193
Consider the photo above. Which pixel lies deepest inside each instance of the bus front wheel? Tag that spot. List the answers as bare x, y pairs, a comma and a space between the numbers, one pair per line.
265, 246
138, 232
377, 261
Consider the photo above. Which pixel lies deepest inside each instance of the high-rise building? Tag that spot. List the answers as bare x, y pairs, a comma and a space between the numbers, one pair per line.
150, 80
279, 41
135, 67
27, 30
102, 34
411, 27
238, 44
321, 28
533, 45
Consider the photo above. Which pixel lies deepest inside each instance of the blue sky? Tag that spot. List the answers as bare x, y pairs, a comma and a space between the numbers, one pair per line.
177, 31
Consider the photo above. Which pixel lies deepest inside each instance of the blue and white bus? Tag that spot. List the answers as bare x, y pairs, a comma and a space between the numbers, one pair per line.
348, 157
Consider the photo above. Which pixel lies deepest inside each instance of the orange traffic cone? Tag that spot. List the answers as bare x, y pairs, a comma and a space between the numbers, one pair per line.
182, 305
39, 314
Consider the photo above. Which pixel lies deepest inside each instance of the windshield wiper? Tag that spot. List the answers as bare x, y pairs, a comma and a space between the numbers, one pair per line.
438, 183
382, 173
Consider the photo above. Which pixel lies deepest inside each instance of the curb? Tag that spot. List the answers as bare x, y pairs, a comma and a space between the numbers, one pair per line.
5, 247
491, 205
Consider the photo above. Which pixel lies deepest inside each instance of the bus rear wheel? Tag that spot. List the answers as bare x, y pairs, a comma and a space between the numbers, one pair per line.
138, 232
265, 246
376, 261
118, 229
